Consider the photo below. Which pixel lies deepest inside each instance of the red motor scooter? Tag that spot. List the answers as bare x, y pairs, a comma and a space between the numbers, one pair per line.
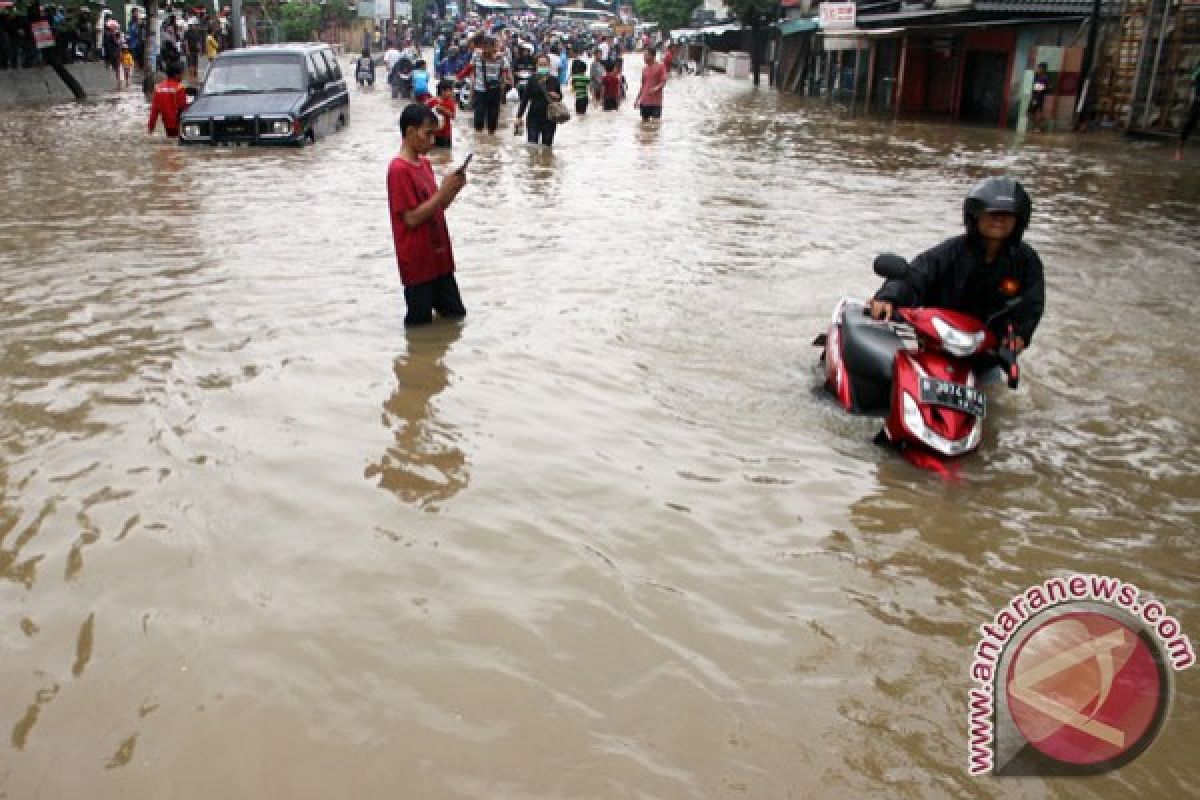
922, 370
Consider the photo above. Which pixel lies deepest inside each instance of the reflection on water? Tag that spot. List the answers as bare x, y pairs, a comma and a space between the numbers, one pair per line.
426, 465
661, 564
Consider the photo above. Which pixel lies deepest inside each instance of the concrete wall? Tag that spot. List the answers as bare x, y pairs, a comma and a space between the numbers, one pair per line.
39, 85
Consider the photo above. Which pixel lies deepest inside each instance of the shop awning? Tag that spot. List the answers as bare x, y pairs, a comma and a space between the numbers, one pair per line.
935, 27
711, 30
790, 26
490, 5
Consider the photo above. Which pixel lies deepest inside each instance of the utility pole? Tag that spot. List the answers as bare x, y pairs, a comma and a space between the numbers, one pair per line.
150, 48
755, 44
235, 33
1089, 55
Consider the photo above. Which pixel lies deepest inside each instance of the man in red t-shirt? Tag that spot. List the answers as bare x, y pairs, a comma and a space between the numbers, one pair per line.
170, 99
654, 80
417, 207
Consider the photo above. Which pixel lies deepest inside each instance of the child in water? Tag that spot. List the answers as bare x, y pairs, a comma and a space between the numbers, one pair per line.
420, 79
126, 61
445, 106
612, 87
580, 83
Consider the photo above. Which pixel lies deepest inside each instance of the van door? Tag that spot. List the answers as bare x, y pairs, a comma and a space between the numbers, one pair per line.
338, 92
318, 101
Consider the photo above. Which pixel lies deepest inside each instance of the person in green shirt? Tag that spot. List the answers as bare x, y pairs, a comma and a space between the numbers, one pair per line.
580, 83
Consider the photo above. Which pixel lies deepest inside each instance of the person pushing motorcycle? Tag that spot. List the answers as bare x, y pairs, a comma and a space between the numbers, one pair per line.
982, 271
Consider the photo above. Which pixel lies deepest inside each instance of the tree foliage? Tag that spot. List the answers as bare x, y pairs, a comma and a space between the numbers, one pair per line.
300, 20
667, 13
418, 11
336, 12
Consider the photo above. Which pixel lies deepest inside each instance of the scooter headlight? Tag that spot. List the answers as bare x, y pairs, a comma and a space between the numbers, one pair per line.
956, 342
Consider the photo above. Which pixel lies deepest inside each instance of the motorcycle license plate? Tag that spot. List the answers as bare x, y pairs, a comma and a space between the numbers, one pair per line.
953, 395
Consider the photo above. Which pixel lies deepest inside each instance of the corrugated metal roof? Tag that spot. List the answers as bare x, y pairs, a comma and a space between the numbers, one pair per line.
1107, 7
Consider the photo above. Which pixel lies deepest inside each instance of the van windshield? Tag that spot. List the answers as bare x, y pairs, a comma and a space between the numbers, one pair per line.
244, 75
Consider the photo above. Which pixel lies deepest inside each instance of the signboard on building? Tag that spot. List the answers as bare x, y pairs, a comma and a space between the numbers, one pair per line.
838, 16
382, 9
43, 36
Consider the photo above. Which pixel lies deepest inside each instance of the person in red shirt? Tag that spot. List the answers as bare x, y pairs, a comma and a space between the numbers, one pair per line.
612, 87
445, 107
170, 99
650, 95
417, 207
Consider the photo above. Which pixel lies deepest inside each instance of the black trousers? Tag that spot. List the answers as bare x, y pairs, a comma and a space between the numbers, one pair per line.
581, 104
487, 109
440, 295
540, 129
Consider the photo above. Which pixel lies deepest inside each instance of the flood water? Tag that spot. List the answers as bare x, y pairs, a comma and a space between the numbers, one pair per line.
604, 539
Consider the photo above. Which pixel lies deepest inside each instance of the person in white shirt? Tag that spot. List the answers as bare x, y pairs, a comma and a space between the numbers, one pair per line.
603, 48
391, 57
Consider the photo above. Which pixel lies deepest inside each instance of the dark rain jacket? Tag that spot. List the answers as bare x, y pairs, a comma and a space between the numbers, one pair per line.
537, 97
953, 275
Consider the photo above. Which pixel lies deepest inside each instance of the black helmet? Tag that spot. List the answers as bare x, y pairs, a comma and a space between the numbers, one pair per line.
998, 194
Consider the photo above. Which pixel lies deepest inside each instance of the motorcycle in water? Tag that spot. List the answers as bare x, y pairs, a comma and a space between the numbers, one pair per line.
401, 80
923, 371
404, 85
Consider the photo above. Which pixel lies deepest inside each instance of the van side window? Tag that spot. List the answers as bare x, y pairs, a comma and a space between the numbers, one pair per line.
317, 69
335, 69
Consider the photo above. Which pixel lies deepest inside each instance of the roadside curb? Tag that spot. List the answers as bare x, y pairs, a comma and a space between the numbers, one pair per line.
39, 85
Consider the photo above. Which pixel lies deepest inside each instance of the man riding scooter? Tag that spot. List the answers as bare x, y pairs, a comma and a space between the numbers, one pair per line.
982, 271
401, 77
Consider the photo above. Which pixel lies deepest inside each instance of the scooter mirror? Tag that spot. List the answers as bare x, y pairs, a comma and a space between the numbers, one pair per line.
891, 266
1009, 304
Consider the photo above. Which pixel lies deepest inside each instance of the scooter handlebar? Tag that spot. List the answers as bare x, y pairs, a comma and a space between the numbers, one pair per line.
1009, 351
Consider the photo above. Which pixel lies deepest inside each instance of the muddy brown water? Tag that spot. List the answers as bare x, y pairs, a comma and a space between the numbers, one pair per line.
602, 540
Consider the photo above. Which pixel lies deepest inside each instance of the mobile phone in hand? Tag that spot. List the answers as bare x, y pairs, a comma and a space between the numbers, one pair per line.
463, 169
